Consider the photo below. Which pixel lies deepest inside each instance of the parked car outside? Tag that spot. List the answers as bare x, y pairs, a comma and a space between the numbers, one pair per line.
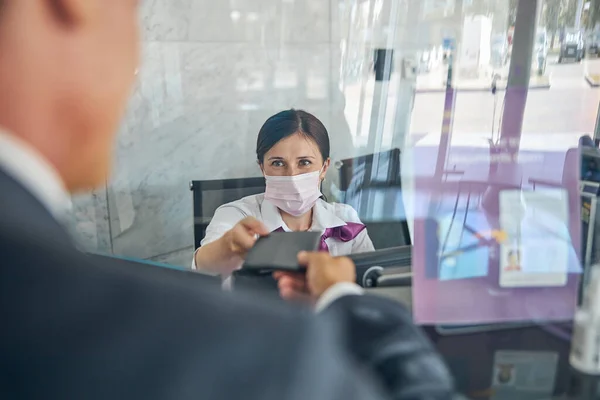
572, 47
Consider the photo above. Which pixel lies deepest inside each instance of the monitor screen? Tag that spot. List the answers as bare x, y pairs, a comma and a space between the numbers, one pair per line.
591, 188
590, 165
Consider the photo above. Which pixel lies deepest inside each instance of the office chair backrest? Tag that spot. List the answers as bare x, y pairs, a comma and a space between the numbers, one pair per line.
374, 179
386, 234
377, 169
590, 163
210, 195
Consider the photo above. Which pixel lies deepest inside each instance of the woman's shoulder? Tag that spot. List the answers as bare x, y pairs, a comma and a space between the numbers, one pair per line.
345, 212
249, 205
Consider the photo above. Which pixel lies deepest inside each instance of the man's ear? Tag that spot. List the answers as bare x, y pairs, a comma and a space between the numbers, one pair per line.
75, 12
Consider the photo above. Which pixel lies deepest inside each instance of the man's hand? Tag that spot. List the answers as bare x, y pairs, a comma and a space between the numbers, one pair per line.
293, 286
242, 236
323, 271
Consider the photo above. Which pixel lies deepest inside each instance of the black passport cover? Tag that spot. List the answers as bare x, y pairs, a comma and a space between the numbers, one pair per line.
279, 251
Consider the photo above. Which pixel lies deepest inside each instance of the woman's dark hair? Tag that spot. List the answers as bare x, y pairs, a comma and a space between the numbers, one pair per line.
287, 123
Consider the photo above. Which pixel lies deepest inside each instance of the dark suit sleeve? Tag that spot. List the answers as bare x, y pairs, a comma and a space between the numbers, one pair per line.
323, 369
381, 335
77, 328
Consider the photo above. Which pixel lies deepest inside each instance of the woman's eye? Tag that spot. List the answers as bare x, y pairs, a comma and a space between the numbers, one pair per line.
305, 163
277, 163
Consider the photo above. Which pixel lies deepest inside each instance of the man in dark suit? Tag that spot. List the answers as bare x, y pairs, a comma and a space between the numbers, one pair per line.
78, 327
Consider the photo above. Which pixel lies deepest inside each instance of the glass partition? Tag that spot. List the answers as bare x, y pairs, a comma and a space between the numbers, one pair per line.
444, 119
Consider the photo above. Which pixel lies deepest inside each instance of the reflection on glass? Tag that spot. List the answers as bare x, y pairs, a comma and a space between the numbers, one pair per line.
216, 82
464, 248
538, 249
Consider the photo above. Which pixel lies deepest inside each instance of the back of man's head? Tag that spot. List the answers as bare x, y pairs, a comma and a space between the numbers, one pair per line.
66, 68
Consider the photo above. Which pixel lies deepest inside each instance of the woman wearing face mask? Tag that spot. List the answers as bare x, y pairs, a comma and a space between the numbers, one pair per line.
293, 154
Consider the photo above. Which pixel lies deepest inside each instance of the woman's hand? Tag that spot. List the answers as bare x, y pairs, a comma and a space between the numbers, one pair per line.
241, 238
227, 253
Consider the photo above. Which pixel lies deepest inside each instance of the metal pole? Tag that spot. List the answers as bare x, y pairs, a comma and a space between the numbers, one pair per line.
538, 14
515, 99
384, 65
519, 73
447, 121
450, 98
408, 43
592, 15
578, 15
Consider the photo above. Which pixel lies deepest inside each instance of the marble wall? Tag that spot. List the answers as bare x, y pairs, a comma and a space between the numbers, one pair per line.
212, 72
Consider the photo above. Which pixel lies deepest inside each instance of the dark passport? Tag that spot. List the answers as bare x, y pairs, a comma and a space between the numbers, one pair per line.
279, 251
276, 252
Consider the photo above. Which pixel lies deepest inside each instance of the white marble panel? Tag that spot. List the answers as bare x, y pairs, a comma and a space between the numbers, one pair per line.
344, 16
150, 202
149, 196
236, 21
180, 78
90, 222
204, 89
306, 21
166, 20
260, 21
195, 114
378, 24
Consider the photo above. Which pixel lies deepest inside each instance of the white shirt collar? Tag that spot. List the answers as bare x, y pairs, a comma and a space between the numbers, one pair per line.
323, 217
37, 175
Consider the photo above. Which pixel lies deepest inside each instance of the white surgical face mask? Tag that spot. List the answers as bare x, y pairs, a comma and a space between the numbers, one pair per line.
295, 195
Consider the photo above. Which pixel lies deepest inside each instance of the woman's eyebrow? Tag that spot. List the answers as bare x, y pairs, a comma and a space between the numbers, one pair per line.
275, 158
305, 157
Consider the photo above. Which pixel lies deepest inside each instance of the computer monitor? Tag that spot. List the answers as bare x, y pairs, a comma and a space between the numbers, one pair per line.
591, 188
590, 226
590, 164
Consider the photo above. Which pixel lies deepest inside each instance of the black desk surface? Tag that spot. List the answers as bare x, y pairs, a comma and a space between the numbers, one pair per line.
516, 364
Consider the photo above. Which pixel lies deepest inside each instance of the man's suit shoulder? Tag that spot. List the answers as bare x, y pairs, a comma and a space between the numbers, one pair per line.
100, 322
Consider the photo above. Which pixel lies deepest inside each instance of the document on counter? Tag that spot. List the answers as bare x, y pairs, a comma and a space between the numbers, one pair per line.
537, 249
523, 374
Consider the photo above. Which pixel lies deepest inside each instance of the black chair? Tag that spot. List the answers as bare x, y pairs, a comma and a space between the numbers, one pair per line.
376, 177
210, 195
379, 170
386, 234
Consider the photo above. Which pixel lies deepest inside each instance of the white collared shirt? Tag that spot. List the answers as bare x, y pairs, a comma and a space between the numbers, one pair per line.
325, 215
38, 176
